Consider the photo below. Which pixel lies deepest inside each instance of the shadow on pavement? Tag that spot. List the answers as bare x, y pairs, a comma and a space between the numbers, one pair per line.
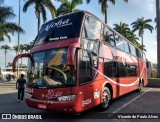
153, 83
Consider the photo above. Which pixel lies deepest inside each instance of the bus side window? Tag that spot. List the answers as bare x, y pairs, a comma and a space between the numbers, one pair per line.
85, 74
110, 68
91, 29
109, 36
132, 49
119, 42
126, 47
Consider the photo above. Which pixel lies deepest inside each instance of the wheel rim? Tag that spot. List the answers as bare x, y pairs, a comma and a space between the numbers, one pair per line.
106, 99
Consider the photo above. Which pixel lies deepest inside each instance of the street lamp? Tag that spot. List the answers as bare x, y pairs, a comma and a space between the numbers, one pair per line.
158, 36
19, 18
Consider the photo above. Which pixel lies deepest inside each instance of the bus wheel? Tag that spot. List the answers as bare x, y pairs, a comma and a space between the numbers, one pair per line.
106, 99
140, 86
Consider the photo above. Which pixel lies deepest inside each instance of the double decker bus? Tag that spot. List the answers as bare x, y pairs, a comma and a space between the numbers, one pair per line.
78, 62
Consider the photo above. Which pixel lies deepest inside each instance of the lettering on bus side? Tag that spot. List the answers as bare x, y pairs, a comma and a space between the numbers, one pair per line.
86, 102
29, 90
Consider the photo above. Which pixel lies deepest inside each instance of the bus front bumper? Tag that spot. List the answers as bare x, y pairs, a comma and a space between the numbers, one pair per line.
67, 106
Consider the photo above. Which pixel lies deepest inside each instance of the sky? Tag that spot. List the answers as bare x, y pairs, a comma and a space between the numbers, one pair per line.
121, 11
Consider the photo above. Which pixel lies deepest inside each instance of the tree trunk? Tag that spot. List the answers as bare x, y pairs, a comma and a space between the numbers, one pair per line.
38, 23
106, 13
142, 41
5, 58
158, 36
38, 18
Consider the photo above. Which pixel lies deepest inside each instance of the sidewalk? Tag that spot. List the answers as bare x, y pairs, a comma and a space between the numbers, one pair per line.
8, 87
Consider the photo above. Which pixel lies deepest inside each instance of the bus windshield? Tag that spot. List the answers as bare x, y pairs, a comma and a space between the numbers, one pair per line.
65, 27
49, 69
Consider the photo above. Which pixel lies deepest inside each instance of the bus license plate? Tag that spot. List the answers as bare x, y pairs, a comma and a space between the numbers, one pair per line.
42, 106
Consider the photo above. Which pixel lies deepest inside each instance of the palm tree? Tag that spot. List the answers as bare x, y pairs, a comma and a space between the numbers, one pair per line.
27, 47
6, 13
40, 9
5, 48
15, 48
140, 25
122, 28
104, 6
125, 31
68, 6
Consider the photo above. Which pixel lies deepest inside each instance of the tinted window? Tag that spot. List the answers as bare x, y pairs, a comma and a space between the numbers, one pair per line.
64, 27
138, 52
92, 29
132, 49
122, 69
85, 74
126, 47
110, 68
132, 70
109, 37
119, 42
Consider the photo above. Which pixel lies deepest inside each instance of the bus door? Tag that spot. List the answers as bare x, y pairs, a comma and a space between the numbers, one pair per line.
87, 91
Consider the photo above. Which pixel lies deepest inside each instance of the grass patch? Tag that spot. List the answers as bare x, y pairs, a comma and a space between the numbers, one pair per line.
153, 78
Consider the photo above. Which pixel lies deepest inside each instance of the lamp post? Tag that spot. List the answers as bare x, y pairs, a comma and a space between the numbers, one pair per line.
19, 19
158, 36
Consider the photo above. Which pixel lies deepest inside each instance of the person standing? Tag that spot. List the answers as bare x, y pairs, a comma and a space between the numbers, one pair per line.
20, 85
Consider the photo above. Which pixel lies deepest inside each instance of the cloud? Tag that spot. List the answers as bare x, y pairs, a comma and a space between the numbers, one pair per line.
146, 6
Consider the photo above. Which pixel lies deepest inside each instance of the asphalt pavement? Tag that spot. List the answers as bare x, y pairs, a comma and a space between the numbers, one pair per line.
135, 103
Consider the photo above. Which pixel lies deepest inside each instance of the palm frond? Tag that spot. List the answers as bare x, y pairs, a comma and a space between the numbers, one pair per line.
43, 11
27, 4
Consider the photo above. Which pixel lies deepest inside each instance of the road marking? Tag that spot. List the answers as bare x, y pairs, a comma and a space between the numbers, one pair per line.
120, 108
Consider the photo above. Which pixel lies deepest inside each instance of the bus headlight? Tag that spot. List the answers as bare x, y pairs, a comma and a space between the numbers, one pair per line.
66, 98
27, 95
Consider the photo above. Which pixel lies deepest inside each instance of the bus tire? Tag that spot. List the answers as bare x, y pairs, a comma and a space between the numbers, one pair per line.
140, 87
106, 99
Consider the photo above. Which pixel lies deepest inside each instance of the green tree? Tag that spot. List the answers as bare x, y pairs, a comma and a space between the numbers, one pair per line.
6, 13
104, 6
125, 31
122, 28
27, 47
40, 6
5, 48
68, 6
9, 64
15, 48
140, 25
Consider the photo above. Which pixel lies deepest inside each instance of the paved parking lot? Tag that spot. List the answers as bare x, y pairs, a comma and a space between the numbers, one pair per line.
147, 101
